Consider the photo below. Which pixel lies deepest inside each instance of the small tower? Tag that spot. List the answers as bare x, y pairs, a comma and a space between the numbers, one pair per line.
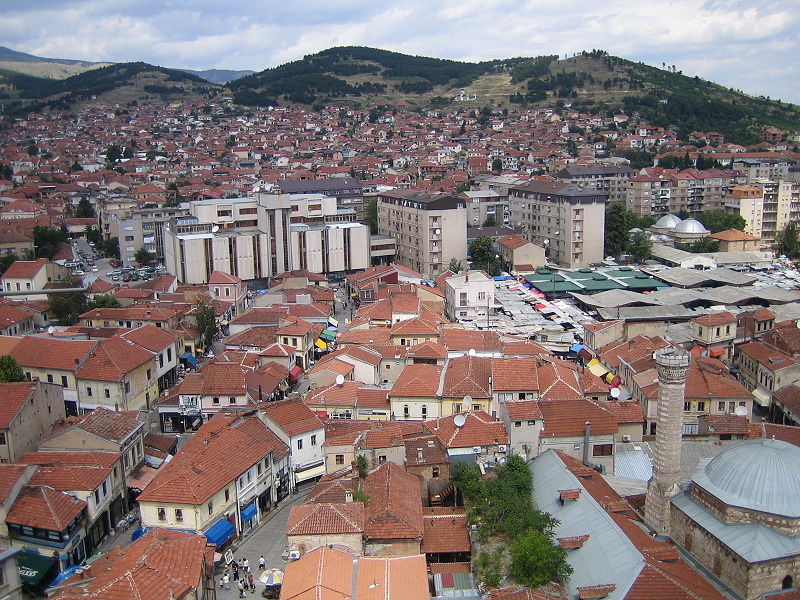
673, 365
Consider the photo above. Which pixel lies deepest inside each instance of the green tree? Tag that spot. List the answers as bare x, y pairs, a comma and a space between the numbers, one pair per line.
455, 265
786, 240
109, 247
497, 165
68, 307
6, 172
371, 217
718, 220
535, 560
113, 155
572, 148
619, 222
490, 221
33, 150
482, 254
144, 257
206, 321
640, 246
103, 301
700, 246
362, 466
639, 159
6, 260
10, 370
47, 240
84, 209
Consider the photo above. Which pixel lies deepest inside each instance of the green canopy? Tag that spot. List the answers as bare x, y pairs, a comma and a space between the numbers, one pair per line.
32, 566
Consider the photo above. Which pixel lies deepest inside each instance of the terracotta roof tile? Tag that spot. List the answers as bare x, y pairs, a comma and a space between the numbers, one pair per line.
479, 429
14, 396
467, 376
568, 418
51, 353
43, 507
394, 508
522, 410
113, 358
445, 530
418, 381
515, 374
292, 415
325, 519
10, 474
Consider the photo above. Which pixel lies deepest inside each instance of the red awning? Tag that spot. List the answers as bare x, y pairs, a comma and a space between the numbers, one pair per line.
716, 352
295, 372
322, 414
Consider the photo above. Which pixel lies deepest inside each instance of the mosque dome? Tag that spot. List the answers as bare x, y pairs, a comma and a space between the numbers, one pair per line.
669, 221
690, 226
761, 475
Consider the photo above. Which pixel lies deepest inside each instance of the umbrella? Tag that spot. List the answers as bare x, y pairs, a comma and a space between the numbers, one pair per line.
271, 577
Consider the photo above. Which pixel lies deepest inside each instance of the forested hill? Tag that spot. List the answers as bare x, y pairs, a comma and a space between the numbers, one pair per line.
592, 81
122, 82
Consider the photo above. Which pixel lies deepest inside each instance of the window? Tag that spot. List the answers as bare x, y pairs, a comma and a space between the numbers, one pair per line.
232, 400
127, 387
313, 440
340, 459
2, 438
602, 449
107, 393
211, 508
456, 409
531, 422
49, 378
462, 299
149, 374
97, 497
687, 406
105, 489
424, 411
701, 406
435, 472
481, 295
162, 514
179, 515
476, 407
721, 406
382, 459
227, 495
299, 444
64, 381
214, 400
517, 423
88, 391
405, 410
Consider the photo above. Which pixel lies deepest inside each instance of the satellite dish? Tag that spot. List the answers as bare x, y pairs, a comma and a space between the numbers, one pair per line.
467, 399
741, 411
50, 330
471, 352
615, 392
339, 379
215, 229
460, 420
438, 231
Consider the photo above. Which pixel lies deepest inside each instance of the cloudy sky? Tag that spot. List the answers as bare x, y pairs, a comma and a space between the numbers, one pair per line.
752, 45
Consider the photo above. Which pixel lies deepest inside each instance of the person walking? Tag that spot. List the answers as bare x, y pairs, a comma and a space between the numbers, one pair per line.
226, 581
262, 563
242, 593
246, 565
235, 571
252, 582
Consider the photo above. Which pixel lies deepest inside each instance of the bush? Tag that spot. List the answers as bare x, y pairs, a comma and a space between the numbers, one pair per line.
535, 560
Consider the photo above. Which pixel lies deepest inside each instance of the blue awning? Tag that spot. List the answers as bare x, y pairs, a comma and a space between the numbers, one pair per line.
139, 532
187, 356
219, 532
249, 511
66, 574
575, 348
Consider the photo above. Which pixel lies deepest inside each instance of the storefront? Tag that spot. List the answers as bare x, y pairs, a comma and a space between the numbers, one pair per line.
220, 533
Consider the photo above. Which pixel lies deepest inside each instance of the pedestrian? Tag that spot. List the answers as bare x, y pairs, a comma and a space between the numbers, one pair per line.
252, 582
241, 591
246, 564
262, 563
235, 571
226, 581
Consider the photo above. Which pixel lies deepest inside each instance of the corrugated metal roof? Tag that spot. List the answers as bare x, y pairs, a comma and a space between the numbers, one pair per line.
608, 556
752, 541
633, 464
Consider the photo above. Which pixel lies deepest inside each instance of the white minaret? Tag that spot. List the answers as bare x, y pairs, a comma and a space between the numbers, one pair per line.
673, 365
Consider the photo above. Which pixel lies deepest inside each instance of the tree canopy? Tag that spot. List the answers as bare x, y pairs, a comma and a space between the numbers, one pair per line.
619, 222
10, 370
535, 559
786, 240
483, 256
206, 321
84, 209
144, 257
719, 220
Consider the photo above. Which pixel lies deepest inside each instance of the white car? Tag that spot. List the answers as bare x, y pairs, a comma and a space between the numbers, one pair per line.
95, 269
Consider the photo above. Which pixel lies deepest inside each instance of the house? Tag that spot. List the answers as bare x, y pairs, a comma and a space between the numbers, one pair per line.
220, 482
325, 572
103, 430
446, 537
471, 436
714, 333
466, 384
350, 400
53, 360
427, 458
302, 431
118, 374
764, 370
27, 413
229, 289
32, 276
415, 394
161, 564
12, 563
166, 344
132, 317
469, 297
520, 254
15, 320
314, 525
393, 512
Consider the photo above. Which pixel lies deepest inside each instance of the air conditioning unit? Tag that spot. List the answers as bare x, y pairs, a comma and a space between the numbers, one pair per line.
501, 448
294, 554
476, 449
626, 438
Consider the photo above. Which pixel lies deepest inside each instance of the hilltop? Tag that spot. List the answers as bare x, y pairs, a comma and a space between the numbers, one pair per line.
592, 82
119, 83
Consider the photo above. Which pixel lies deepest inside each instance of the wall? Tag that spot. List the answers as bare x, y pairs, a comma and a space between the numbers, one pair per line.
415, 405
307, 543
34, 421
377, 547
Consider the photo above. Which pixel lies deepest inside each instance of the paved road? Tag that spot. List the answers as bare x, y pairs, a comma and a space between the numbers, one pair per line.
268, 540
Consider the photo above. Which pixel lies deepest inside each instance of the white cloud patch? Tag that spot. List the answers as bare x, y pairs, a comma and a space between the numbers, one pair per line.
744, 44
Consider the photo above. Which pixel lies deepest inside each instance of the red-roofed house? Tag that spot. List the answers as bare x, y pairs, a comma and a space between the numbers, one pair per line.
27, 413
299, 428
32, 275
224, 287
516, 251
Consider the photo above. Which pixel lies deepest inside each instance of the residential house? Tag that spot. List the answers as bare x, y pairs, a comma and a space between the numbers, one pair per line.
33, 276
763, 370
393, 512
520, 254
166, 344
473, 436
466, 385
27, 413
714, 333
229, 289
427, 458
469, 297
220, 482
298, 427
118, 374
415, 394
350, 400
15, 320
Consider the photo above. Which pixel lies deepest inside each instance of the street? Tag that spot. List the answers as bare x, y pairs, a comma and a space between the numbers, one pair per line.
269, 541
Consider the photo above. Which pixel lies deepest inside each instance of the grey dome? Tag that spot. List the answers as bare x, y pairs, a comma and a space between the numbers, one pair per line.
667, 222
690, 226
762, 475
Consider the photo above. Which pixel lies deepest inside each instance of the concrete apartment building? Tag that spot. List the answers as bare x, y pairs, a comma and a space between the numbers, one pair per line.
469, 297
690, 190
482, 204
143, 227
566, 219
609, 180
246, 237
346, 192
747, 201
781, 205
429, 229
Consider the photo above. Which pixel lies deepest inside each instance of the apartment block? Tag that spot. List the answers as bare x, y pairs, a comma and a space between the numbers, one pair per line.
747, 201
143, 227
429, 229
609, 180
483, 204
566, 219
690, 190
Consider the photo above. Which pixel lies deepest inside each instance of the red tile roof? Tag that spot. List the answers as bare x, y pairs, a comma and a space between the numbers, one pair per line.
14, 396
25, 269
51, 353
445, 530
479, 429
10, 474
418, 381
325, 519
43, 507
715, 319
467, 376
161, 564
515, 374
292, 415
568, 418
394, 508
113, 358
522, 410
